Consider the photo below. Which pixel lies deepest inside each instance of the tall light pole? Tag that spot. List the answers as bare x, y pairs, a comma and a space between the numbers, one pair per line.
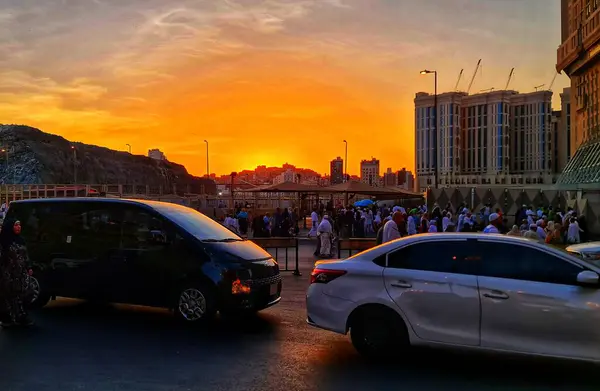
207, 167
5, 150
74, 164
435, 121
129, 148
346, 162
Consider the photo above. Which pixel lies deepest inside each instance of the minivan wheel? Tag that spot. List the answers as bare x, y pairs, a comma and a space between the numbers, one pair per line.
195, 304
378, 334
37, 297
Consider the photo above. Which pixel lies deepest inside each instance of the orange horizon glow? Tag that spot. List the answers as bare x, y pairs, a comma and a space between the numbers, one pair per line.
265, 83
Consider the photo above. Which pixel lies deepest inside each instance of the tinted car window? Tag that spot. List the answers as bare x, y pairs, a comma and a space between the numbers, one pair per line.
439, 256
143, 229
195, 222
526, 263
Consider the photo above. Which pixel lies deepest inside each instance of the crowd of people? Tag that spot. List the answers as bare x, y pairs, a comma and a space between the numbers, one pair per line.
542, 223
387, 223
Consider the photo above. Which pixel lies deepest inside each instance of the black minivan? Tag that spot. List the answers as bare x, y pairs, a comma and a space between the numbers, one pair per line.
143, 252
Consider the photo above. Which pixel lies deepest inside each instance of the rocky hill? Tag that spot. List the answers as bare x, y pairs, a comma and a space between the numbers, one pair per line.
36, 157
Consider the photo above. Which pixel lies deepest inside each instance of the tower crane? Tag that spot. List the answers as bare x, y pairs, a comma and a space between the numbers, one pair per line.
458, 81
537, 88
474, 74
552, 82
512, 71
488, 90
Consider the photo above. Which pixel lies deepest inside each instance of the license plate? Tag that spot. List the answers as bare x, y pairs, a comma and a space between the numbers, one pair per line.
274, 289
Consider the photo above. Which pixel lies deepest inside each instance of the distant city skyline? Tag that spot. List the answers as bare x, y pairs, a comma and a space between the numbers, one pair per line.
262, 81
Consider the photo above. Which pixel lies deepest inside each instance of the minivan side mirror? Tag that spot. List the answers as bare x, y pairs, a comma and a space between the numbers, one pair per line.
588, 277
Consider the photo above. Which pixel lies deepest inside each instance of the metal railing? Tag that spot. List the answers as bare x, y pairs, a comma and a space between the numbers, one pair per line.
355, 244
278, 244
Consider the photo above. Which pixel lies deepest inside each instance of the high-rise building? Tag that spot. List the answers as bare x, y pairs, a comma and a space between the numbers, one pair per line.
369, 172
336, 172
531, 139
390, 178
579, 57
564, 137
498, 137
406, 179
484, 131
557, 123
449, 148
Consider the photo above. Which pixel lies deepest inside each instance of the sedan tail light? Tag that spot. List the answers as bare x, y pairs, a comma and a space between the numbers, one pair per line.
323, 276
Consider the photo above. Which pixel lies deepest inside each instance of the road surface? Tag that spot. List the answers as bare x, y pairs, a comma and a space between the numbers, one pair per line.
79, 346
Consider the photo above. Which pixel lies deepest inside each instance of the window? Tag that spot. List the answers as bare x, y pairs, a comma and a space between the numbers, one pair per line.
143, 230
526, 263
439, 256
195, 223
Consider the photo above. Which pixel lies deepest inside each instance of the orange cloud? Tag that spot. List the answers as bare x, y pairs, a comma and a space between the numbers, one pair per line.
265, 82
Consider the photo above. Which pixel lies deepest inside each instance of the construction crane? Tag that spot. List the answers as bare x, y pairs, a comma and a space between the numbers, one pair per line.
552, 82
512, 71
458, 81
474, 74
537, 88
488, 90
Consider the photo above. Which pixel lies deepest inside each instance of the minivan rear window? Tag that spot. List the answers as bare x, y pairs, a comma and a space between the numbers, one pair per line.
195, 222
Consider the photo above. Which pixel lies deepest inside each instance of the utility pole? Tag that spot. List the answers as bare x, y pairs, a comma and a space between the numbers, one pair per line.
346, 163
207, 167
74, 164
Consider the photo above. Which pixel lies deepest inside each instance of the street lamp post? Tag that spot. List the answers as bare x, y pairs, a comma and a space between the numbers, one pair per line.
346, 162
435, 121
5, 150
207, 167
74, 164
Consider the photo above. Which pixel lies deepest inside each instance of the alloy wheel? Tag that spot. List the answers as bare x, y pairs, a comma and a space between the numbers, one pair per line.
192, 304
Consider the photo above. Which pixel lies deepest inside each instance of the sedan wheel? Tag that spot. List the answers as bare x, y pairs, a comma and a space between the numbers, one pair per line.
192, 305
379, 334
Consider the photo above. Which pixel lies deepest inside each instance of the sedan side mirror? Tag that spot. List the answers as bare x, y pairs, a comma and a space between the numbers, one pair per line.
588, 277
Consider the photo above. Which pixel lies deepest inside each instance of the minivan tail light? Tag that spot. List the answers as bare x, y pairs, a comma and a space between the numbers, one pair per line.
323, 276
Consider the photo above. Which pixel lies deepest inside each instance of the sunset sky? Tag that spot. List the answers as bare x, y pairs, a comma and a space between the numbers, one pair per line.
264, 81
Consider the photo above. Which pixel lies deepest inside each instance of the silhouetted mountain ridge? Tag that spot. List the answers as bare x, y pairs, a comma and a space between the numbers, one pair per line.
36, 157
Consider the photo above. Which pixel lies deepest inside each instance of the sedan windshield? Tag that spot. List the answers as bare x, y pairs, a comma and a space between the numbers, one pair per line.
197, 224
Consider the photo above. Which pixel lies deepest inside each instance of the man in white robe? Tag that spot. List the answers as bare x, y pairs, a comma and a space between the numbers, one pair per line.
325, 231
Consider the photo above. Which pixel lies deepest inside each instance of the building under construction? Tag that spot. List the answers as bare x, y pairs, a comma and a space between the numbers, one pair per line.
492, 138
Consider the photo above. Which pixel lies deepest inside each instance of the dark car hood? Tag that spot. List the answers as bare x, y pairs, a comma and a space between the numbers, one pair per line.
245, 250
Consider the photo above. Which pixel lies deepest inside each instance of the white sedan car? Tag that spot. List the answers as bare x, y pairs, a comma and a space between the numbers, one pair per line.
478, 291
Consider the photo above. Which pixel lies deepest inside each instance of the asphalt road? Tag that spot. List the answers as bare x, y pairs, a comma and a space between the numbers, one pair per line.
79, 346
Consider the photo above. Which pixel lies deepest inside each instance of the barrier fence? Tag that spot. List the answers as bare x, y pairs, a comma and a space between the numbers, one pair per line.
355, 244
281, 244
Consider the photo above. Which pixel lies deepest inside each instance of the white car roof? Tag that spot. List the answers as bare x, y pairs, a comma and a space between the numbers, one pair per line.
436, 237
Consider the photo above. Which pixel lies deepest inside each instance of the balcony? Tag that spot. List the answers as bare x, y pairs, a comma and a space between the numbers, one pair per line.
567, 53
584, 38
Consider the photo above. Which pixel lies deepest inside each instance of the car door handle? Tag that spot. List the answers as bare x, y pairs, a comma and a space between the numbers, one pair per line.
401, 284
496, 295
